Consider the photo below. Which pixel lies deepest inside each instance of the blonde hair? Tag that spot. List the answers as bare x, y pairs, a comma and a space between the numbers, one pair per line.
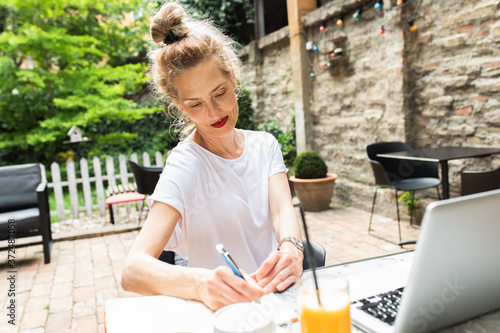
182, 43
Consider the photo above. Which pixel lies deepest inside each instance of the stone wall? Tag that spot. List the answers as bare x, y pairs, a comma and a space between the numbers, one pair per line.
435, 86
452, 79
267, 75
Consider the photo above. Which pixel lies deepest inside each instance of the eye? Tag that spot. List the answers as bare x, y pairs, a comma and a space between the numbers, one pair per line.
194, 106
221, 94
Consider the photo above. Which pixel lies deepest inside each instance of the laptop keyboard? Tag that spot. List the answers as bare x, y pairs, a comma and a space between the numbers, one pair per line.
383, 306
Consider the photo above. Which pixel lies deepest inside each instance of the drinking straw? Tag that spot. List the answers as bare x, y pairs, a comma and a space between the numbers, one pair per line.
308, 254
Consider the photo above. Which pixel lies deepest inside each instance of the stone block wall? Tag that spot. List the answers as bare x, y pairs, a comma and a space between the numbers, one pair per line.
452, 79
436, 86
267, 75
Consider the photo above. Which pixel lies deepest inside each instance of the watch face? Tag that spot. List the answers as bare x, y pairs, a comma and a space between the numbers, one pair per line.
294, 241
298, 243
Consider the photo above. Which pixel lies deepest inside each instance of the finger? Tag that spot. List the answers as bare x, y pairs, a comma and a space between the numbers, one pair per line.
257, 291
267, 265
242, 290
277, 279
286, 283
222, 286
285, 262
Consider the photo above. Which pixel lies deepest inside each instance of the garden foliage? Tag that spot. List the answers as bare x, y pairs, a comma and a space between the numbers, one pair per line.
65, 63
83, 63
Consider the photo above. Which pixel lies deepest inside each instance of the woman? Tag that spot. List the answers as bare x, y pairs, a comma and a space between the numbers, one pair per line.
220, 185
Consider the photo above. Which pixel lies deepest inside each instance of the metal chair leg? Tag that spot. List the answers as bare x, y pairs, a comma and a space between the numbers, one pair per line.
399, 220
140, 213
373, 209
371, 217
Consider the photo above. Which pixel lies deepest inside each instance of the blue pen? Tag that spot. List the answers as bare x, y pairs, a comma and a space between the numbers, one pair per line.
229, 260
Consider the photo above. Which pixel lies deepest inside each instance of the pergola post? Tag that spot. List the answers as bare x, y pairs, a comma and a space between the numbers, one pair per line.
300, 69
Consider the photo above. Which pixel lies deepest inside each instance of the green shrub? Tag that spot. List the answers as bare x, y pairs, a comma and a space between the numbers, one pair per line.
245, 110
310, 165
285, 139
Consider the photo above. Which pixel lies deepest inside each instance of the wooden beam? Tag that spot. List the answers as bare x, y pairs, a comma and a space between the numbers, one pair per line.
300, 72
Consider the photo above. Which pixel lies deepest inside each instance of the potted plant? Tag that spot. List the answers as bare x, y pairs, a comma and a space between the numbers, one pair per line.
313, 184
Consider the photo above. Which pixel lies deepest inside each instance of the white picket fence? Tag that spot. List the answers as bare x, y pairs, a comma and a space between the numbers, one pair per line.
99, 181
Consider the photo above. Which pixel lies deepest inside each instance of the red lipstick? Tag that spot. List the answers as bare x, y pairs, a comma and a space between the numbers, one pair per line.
220, 123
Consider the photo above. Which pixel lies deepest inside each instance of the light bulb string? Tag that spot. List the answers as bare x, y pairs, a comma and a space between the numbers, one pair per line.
404, 4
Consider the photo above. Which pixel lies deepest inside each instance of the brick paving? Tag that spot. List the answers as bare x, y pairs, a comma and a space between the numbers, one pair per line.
69, 294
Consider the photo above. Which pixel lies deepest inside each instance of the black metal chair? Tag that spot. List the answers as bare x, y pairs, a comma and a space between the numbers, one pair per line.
400, 175
24, 204
480, 181
145, 179
318, 255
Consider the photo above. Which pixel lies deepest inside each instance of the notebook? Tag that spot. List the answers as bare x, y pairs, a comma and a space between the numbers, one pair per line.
455, 274
165, 314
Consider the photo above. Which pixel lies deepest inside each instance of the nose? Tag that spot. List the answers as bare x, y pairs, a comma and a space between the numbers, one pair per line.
213, 111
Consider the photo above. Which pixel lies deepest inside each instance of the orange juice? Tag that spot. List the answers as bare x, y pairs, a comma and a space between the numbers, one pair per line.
323, 320
332, 316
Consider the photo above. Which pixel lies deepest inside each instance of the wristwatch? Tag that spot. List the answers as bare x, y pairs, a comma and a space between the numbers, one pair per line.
298, 244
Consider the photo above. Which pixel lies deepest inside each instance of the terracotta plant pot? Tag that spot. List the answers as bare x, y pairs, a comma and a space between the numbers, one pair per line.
314, 194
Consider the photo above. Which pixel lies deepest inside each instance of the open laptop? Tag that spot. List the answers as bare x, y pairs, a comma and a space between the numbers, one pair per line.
455, 273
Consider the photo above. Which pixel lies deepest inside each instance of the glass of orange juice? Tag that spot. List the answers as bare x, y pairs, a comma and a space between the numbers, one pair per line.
331, 313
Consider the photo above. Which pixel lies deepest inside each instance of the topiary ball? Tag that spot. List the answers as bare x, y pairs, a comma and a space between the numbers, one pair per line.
310, 165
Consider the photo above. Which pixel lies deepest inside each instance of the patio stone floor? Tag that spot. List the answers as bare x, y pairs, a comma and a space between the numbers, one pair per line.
69, 294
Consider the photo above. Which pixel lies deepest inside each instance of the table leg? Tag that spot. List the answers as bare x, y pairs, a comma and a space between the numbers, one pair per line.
444, 179
111, 217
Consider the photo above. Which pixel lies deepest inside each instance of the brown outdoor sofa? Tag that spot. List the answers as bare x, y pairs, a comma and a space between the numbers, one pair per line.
24, 205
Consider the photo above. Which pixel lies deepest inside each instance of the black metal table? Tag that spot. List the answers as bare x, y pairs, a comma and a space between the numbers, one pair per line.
442, 155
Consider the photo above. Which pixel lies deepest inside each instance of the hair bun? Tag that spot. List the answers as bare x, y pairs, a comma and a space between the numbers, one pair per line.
169, 20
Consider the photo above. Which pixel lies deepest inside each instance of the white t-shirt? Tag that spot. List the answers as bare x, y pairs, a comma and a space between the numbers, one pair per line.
221, 201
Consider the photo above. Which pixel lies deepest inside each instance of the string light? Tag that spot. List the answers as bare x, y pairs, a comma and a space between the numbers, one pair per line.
378, 5
357, 13
340, 21
399, 2
322, 27
382, 29
312, 75
412, 25
315, 48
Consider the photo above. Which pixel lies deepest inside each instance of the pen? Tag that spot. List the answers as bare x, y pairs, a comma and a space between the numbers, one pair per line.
229, 260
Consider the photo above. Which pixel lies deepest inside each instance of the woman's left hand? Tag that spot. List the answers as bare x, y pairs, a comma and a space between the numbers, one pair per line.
280, 269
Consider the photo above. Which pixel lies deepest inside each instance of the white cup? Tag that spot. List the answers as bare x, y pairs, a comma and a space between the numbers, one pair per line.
248, 317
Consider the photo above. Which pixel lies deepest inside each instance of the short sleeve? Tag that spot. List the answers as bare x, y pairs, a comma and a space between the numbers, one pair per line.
276, 158
174, 181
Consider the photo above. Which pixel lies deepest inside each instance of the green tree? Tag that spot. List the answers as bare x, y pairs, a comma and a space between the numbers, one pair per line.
65, 63
235, 16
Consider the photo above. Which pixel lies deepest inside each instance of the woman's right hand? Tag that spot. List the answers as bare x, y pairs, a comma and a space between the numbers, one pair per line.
220, 287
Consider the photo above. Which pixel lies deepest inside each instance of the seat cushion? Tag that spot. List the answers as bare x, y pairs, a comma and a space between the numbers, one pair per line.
18, 185
124, 197
26, 220
415, 184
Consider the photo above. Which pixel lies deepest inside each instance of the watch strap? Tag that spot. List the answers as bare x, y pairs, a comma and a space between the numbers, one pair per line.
298, 244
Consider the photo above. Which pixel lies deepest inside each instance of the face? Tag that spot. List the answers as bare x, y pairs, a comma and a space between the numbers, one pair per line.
208, 98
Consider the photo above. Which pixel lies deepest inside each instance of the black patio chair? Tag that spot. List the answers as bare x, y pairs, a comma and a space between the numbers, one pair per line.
400, 175
480, 181
318, 255
145, 178
24, 204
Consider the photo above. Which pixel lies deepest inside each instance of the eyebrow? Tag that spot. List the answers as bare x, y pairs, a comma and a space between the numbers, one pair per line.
197, 98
